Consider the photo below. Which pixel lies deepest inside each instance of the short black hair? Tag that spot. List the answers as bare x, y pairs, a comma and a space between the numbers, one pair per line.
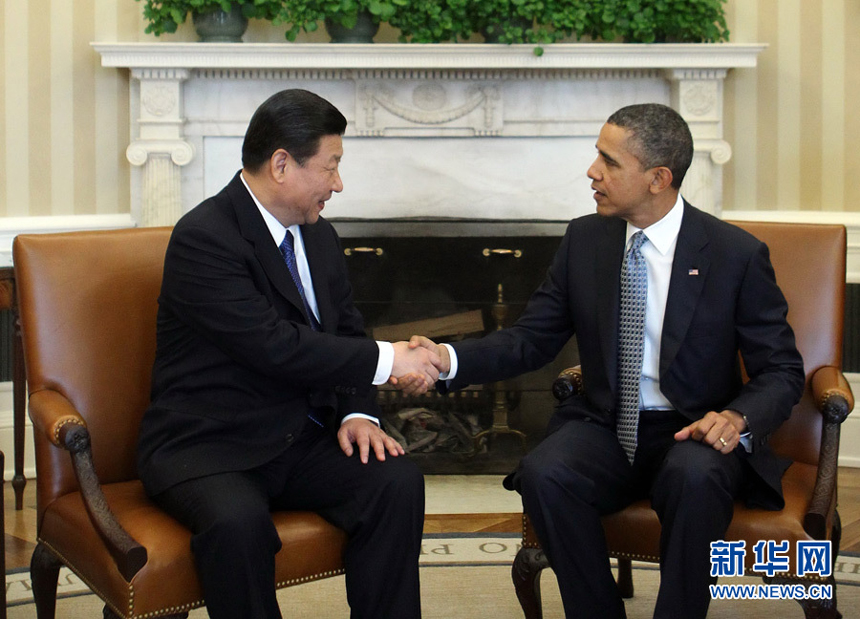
660, 137
294, 120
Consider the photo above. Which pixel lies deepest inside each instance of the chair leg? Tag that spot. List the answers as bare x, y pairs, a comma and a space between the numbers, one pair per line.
525, 573
836, 536
821, 609
826, 609
625, 578
44, 573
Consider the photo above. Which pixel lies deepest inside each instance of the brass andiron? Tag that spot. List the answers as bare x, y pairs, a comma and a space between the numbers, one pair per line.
500, 401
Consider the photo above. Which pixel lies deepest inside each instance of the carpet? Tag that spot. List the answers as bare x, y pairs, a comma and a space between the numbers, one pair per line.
462, 576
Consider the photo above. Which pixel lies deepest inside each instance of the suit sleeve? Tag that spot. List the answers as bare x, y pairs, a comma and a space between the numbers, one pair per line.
534, 340
212, 287
351, 324
767, 347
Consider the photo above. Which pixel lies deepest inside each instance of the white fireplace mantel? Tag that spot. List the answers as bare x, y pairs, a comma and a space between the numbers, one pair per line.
450, 130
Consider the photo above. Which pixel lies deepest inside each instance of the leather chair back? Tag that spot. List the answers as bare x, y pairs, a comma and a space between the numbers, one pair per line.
98, 303
809, 261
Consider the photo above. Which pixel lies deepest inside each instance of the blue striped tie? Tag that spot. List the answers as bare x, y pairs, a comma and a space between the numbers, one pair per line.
289, 253
631, 340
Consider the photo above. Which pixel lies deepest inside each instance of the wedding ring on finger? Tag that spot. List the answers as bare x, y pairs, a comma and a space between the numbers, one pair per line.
723, 441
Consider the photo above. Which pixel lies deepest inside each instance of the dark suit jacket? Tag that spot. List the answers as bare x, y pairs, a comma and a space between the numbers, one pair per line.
722, 299
237, 365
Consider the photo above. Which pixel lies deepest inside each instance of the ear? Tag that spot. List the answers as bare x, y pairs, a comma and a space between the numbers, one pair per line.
279, 164
661, 179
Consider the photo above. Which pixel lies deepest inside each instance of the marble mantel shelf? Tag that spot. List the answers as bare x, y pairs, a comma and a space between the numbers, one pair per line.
432, 128
424, 56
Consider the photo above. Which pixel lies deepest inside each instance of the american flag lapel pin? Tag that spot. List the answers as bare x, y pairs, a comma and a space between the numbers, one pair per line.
693, 272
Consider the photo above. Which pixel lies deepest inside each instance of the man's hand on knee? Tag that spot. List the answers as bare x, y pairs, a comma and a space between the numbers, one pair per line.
366, 435
722, 431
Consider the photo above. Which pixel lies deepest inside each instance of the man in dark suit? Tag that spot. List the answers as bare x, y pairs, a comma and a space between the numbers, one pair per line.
262, 389
664, 415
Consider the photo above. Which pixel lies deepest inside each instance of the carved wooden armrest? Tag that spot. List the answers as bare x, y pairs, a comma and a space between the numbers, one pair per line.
833, 398
568, 382
57, 418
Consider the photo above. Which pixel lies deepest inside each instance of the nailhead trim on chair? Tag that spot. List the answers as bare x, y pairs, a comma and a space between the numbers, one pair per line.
129, 613
63, 424
184, 607
525, 533
828, 394
635, 557
312, 577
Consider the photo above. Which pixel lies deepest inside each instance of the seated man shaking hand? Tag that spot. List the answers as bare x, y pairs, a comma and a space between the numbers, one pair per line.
263, 381
662, 298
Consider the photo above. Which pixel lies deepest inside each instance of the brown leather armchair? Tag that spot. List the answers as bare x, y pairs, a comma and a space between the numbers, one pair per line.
88, 302
809, 261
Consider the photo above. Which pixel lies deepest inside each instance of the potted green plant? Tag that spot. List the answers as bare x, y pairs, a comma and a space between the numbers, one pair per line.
347, 21
167, 15
547, 21
658, 21
498, 21
510, 21
431, 21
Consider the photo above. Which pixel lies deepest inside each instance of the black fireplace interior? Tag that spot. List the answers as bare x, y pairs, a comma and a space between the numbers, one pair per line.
450, 280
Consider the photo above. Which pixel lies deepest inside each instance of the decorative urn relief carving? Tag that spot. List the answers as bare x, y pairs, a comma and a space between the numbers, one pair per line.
408, 106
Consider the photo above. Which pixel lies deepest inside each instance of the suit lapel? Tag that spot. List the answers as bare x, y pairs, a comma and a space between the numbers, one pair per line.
610, 252
689, 272
254, 230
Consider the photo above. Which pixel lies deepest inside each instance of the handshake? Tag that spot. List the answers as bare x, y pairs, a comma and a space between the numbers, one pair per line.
417, 364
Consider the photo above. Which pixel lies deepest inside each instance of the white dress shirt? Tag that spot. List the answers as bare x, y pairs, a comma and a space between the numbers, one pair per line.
659, 254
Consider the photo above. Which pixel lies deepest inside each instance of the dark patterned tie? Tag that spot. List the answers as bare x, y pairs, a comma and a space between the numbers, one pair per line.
631, 339
289, 253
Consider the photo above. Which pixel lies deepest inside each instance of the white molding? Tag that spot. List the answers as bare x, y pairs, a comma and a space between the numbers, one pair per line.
850, 220
7, 436
849, 443
426, 56
10, 227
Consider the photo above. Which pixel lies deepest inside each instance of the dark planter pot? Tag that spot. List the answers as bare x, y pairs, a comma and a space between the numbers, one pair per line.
218, 26
364, 31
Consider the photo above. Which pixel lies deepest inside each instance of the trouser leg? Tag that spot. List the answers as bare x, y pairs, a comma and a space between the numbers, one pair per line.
693, 494
567, 482
381, 507
234, 542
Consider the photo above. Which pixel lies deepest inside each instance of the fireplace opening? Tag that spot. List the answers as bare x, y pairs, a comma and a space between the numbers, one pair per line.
449, 281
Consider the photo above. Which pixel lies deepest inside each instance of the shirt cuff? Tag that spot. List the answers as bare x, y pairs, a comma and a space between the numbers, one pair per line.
360, 416
385, 363
452, 371
746, 439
